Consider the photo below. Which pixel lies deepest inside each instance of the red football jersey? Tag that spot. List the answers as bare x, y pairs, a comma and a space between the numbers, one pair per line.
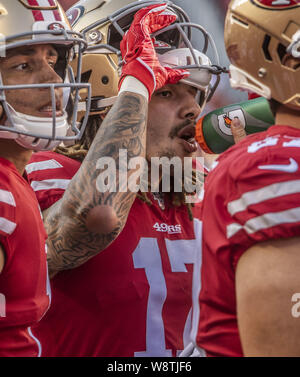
135, 297
49, 175
24, 286
251, 196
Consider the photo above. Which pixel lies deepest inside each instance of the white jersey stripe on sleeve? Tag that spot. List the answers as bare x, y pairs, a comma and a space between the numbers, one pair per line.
232, 229
7, 226
272, 191
7, 197
42, 165
265, 221
48, 184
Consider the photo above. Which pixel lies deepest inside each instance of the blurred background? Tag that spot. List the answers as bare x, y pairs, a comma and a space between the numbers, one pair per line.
211, 15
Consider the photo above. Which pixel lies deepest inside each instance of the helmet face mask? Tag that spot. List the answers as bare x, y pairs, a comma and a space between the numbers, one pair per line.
104, 24
42, 26
120, 21
262, 39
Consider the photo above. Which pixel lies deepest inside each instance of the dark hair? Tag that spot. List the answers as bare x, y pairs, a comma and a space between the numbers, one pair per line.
79, 150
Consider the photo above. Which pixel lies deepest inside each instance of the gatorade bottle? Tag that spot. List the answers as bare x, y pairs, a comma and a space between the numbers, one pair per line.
213, 132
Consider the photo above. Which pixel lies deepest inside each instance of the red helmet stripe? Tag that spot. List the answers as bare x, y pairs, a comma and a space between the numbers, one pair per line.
37, 14
57, 15
55, 12
277, 4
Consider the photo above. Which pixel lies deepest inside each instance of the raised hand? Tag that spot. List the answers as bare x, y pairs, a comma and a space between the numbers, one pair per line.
138, 52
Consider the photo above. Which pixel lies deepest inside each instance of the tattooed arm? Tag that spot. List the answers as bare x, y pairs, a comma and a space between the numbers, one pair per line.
85, 221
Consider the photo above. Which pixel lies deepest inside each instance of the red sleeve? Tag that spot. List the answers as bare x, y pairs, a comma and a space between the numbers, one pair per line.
49, 174
253, 195
264, 202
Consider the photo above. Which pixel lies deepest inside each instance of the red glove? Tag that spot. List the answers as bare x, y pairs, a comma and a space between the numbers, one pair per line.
138, 51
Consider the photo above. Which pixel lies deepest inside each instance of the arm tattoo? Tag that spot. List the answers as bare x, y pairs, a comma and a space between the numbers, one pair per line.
70, 242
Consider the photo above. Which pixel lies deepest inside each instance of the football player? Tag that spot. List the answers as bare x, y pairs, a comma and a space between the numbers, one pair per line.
135, 297
251, 232
36, 47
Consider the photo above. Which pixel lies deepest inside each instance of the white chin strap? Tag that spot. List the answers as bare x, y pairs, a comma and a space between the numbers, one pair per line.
43, 127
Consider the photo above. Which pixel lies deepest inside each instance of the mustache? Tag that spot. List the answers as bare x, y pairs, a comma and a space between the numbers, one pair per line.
174, 132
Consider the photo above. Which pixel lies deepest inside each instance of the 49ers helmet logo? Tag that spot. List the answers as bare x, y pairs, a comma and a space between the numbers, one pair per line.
55, 26
277, 4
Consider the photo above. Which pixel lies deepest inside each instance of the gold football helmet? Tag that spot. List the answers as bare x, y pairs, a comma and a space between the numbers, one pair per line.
262, 39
